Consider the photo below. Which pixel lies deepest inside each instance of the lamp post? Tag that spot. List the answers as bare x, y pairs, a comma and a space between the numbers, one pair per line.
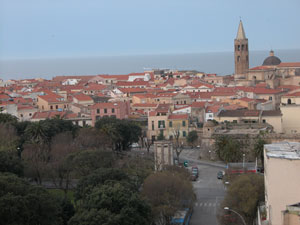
243, 160
209, 154
227, 208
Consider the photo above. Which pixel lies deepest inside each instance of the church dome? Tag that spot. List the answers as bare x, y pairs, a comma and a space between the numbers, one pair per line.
271, 60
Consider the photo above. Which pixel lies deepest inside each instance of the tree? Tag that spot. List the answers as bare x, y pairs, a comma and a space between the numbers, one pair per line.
8, 137
7, 118
91, 138
192, 138
121, 132
243, 195
177, 144
59, 165
168, 191
259, 149
112, 204
98, 178
10, 162
22, 203
228, 149
86, 161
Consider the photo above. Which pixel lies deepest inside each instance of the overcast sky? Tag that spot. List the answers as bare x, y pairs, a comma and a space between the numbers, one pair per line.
82, 28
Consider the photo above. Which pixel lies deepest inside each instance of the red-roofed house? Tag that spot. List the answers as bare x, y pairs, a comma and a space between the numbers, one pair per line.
83, 99
52, 101
119, 110
25, 112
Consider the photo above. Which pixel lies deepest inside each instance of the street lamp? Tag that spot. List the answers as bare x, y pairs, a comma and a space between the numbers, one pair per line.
209, 155
243, 160
227, 208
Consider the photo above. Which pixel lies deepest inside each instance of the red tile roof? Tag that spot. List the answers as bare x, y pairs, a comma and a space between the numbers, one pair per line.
132, 90
82, 97
108, 105
48, 114
295, 94
178, 117
145, 105
289, 64
52, 97
198, 104
261, 68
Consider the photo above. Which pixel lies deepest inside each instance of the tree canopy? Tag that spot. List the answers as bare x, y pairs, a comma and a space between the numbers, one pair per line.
228, 149
168, 191
192, 137
121, 132
22, 203
112, 204
244, 194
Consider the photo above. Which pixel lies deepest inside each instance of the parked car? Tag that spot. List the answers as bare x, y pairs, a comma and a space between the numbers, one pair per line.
195, 168
195, 173
220, 175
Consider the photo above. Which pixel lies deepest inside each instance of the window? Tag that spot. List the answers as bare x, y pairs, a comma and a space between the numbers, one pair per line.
183, 123
289, 101
84, 123
170, 124
171, 137
105, 110
30, 114
21, 115
51, 107
242, 47
112, 110
238, 58
98, 118
161, 124
184, 133
56, 106
184, 101
264, 121
98, 111
152, 125
239, 47
270, 97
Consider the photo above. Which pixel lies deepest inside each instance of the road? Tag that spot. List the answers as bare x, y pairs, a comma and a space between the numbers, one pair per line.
209, 190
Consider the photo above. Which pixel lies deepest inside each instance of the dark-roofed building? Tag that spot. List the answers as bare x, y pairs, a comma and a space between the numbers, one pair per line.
271, 117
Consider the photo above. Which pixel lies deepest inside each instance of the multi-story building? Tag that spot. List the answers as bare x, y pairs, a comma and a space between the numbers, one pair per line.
163, 122
282, 180
119, 110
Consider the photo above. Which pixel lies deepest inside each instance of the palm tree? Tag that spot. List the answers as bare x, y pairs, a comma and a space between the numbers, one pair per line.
259, 149
38, 133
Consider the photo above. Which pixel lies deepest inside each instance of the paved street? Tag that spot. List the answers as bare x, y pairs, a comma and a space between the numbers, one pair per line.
209, 190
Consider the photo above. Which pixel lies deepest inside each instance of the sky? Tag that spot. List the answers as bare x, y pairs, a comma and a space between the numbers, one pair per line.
88, 28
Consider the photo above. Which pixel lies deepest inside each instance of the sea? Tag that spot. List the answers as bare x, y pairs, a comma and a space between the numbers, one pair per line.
221, 63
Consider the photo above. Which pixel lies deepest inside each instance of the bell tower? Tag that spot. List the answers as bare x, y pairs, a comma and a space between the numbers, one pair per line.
241, 53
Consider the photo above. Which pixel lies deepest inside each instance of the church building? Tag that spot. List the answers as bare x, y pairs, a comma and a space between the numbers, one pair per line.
273, 72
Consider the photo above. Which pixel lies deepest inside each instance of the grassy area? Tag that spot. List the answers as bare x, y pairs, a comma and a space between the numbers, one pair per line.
61, 193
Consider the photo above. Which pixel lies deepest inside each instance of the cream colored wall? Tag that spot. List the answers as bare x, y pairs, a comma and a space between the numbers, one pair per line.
42, 104
291, 219
275, 121
290, 118
156, 130
177, 126
294, 100
282, 182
